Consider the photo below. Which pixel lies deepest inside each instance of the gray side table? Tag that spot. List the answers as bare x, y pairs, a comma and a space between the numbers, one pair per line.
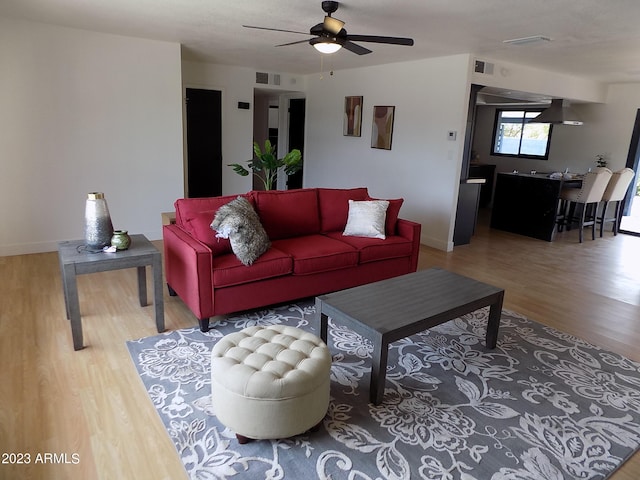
75, 260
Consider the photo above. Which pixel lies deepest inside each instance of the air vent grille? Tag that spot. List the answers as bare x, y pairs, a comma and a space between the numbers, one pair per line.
262, 77
268, 79
483, 67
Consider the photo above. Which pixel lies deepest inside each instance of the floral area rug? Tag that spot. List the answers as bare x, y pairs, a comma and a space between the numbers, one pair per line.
543, 405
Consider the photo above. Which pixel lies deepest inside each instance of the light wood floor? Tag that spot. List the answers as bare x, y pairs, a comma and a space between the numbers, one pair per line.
91, 402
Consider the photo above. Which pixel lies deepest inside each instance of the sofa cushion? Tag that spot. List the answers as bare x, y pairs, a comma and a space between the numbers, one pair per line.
288, 213
195, 215
238, 221
374, 249
199, 226
228, 270
334, 206
317, 253
366, 218
393, 211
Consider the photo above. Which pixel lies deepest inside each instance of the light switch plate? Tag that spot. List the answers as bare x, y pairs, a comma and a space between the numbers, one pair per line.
451, 135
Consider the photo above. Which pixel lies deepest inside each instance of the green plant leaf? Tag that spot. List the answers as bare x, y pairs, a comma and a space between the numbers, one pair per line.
256, 165
239, 169
265, 160
270, 161
256, 150
292, 161
292, 158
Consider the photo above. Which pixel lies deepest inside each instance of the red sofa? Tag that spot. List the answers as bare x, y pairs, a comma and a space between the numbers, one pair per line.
308, 256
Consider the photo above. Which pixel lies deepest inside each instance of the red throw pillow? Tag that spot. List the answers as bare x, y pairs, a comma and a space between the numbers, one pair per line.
334, 206
199, 226
196, 214
393, 211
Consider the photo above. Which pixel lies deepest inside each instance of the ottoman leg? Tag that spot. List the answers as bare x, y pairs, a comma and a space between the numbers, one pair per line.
316, 427
242, 439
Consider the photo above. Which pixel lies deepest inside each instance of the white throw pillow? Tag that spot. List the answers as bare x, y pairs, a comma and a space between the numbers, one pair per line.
366, 219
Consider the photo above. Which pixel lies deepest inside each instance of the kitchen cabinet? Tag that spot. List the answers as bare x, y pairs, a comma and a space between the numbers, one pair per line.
488, 172
526, 204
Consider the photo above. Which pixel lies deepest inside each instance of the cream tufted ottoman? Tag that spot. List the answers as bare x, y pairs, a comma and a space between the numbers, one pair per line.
270, 382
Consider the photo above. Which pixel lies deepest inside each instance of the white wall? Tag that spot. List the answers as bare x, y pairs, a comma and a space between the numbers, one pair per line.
423, 167
237, 85
82, 112
615, 120
527, 79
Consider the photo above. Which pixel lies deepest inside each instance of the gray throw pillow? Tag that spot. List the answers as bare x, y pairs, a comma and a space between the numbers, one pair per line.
239, 222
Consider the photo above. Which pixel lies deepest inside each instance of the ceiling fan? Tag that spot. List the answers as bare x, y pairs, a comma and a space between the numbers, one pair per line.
330, 36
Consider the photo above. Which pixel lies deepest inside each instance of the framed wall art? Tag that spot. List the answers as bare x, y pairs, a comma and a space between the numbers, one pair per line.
382, 127
352, 125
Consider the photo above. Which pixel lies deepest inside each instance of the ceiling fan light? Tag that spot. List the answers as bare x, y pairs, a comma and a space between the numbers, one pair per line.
326, 45
332, 25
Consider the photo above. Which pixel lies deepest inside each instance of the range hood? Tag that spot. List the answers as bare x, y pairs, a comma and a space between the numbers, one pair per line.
559, 113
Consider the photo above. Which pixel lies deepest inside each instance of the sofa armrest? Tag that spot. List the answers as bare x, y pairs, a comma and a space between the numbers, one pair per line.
189, 269
411, 230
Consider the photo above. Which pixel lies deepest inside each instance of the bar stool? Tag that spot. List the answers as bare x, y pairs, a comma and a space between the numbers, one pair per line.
615, 192
589, 195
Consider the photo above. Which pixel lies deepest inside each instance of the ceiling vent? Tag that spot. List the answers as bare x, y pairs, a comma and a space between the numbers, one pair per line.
483, 67
262, 77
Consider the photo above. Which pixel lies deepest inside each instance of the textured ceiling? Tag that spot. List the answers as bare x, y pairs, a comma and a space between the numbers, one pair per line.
595, 39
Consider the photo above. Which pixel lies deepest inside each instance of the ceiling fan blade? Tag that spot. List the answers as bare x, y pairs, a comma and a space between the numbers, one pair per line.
275, 29
292, 43
378, 39
332, 25
355, 48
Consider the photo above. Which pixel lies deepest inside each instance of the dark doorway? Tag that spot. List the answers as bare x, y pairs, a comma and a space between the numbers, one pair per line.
630, 222
204, 142
296, 136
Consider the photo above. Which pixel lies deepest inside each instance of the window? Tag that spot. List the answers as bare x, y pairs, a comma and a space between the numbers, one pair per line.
513, 136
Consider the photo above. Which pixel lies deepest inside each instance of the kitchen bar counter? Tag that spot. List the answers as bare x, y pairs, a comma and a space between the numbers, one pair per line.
527, 204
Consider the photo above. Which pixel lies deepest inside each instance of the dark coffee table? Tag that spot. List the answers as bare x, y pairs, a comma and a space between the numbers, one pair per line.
76, 260
399, 307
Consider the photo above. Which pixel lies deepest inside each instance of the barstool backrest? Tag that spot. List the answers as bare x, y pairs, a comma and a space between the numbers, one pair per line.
593, 185
618, 185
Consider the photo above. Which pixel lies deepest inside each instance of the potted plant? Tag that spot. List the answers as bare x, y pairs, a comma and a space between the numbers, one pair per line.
265, 164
